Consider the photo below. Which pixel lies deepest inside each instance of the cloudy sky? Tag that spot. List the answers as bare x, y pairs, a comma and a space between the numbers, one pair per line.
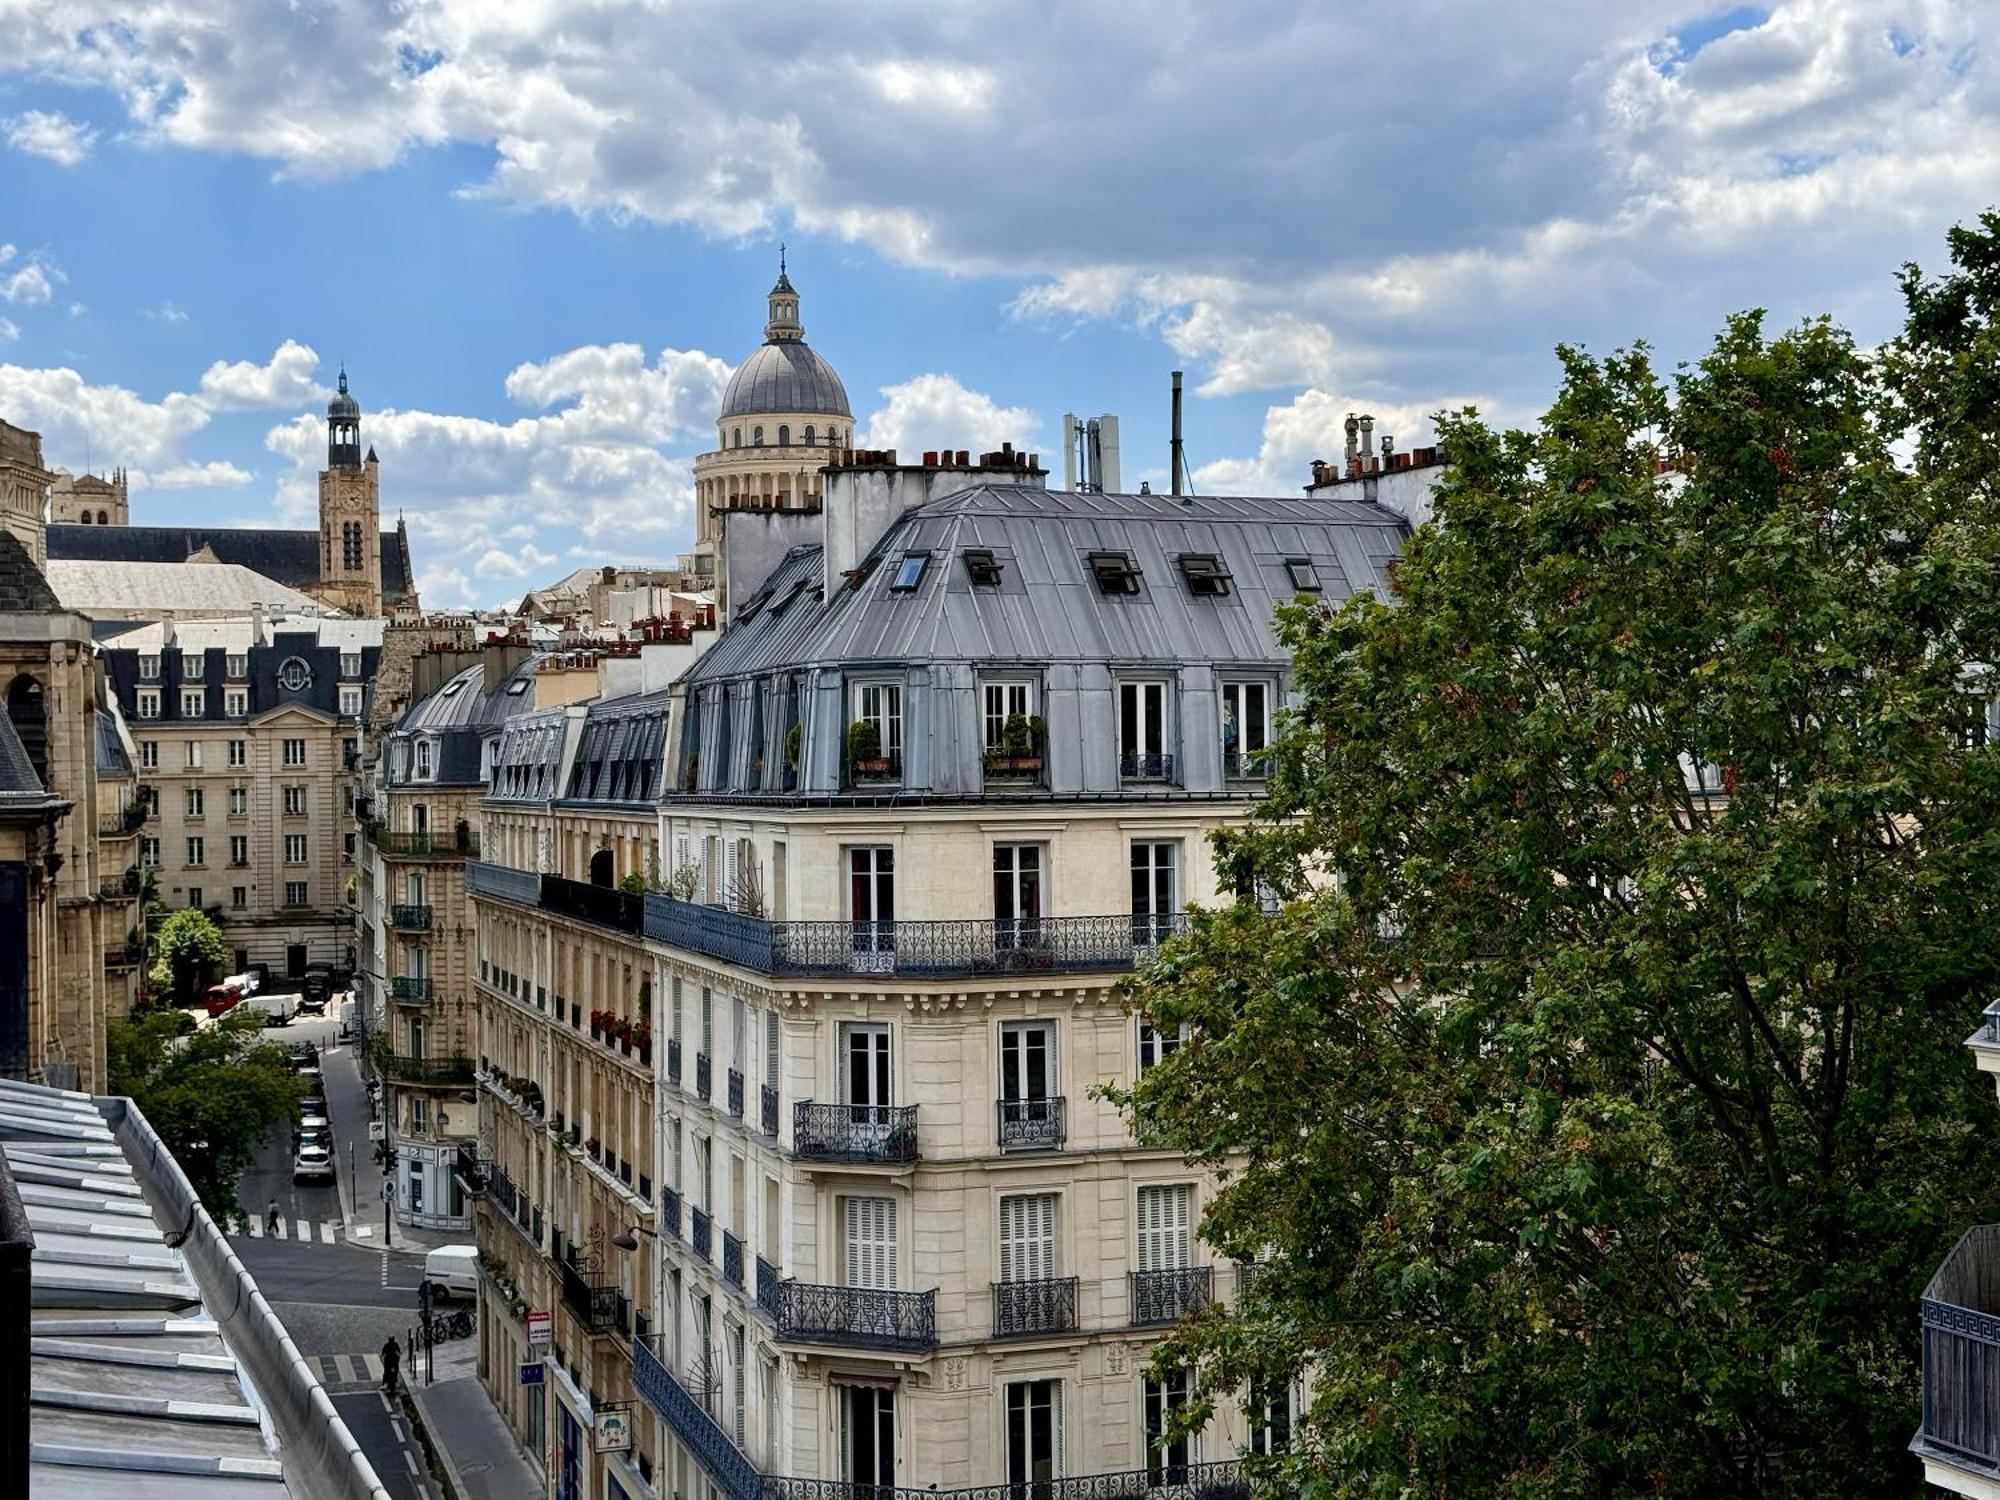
539, 233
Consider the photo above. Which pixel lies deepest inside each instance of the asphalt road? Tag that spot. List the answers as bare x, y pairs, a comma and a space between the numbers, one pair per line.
385, 1439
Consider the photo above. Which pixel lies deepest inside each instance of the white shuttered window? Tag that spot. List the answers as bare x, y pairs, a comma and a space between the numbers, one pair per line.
1028, 1237
870, 1225
1165, 1217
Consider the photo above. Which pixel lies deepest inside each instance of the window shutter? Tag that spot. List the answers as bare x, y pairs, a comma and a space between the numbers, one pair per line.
871, 1242
1028, 1237
731, 871
1164, 1214
773, 1047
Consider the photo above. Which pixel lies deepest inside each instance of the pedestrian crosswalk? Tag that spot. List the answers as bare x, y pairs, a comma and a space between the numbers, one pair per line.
311, 1231
348, 1369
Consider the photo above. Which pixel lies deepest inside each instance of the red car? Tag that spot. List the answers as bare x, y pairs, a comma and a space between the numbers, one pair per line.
222, 1000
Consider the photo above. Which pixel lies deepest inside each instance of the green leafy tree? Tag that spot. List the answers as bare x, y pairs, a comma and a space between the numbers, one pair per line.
1604, 1118
212, 1094
187, 948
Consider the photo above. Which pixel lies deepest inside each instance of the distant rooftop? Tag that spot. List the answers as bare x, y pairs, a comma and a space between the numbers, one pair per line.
216, 588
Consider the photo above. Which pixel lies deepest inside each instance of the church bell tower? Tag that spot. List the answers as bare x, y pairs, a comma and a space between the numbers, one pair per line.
350, 513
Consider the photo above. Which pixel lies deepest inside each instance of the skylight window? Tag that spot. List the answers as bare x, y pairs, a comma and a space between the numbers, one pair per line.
517, 687
909, 572
452, 687
1305, 578
1205, 573
1114, 572
981, 566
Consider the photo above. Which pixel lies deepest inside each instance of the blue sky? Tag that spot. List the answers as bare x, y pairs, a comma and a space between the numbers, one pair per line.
540, 235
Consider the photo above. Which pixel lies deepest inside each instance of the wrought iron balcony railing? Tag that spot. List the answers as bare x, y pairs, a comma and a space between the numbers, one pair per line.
1031, 1124
1027, 1307
410, 918
698, 1431
1169, 1296
736, 1093
1246, 765
854, 1132
1961, 1356
600, 1306
673, 1059
468, 1169
670, 1212
604, 905
1146, 767
732, 1259
414, 989
768, 1282
426, 1069
865, 1317
1212, 1481
699, 1225
702, 1081
459, 843
768, 1112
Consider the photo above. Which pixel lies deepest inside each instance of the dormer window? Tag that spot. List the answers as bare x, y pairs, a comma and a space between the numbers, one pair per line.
982, 567
909, 572
1205, 573
238, 667
149, 668
1304, 576
1115, 572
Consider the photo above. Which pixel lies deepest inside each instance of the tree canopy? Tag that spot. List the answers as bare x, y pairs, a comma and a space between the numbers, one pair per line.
187, 948
1597, 1089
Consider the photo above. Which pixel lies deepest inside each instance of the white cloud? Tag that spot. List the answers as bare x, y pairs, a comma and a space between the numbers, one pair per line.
1314, 425
27, 281
168, 312
75, 416
935, 412
9, 329
286, 379
216, 473
52, 135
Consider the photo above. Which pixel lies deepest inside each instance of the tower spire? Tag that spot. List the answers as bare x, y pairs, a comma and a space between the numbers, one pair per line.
784, 322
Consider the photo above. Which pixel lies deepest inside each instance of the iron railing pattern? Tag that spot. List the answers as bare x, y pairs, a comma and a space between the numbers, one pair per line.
768, 1281
854, 1132
1021, 1307
670, 1212
1146, 767
427, 1069
702, 1078
1169, 1296
732, 1259
1031, 1124
736, 1093
523, 887
698, 1432
454, 844
518, 1208
866, 1317
1960, 1315
699, 1225
414, 988
467, 1166
604, 905
599, 1306
1246, 765
408, 918
1223, 1480
768, 1112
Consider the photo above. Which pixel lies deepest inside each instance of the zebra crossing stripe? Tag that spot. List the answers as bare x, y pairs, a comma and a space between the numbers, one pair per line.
325, 1231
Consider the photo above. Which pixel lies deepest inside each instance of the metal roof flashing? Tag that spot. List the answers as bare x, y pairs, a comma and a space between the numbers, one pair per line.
153, 1364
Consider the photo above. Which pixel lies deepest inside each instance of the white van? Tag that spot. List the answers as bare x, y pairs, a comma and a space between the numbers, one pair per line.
452, 1271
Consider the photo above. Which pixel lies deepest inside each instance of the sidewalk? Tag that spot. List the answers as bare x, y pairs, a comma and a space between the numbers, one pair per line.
468, 1432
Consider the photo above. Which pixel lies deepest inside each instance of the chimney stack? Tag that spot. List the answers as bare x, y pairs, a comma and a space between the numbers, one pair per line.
1353, 442
1174, 452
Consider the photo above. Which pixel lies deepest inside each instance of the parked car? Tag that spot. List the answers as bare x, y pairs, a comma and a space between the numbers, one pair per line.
320, 1138
222, 1000
452, 1271
312, 1164
278, 1009
310, 1124
318, 987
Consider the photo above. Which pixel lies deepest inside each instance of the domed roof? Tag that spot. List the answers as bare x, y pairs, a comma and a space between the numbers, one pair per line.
784, 376
342, 404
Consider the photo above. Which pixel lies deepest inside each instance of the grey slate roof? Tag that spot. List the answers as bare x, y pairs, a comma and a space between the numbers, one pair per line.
459, 716
287, 557
87, 584
785, 375
23, 588
19, 785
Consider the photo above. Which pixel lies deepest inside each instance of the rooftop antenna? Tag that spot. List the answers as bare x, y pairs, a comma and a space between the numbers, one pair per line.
781, 260
1174, 454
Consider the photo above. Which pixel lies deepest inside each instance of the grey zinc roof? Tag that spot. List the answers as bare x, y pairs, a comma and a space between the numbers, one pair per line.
1047, 607
19, 784
287, 557
91, 584
784, 375
460, 714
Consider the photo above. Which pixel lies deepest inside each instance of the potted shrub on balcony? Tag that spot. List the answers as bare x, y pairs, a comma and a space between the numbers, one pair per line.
593, 1145
1019, 752
864, 749
794, 737
643, 1038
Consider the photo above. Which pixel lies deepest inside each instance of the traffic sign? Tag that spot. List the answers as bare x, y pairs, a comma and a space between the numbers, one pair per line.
538, 1330
388, 1190
378, 1130
531, 1374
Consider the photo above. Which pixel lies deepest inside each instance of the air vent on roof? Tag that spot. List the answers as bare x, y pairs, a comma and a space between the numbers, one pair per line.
981, 566
1305, 578
1115, 572
909, 572
1204, 572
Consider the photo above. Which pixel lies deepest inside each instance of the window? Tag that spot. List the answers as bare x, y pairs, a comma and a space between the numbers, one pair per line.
149, 852
982, 567
295, 676
867, 1438
869, 1225
736, 438
809, 435
239, 896
295, 752
881, 704
423, 771
1034, 1432
350, 702
1246, 727
196, 852
350, 664
784, 436
149, 754
1115, 572
239, 848
1030, 1108
239, 801
1156, 1046
1155, 891
350, 546
193, 798
1002, 701
295, 802
147, 701
1304, 576
235, 702
1166, 1461
149, 669
1268, 1415
295, 848
194, 755
295, 893
865, 1078
194, 703
1166, 1217
239, 752
1142, 731
1017, 894
194, 895
909, 572
1028, 1237
236, 667
1206, 574
872, 899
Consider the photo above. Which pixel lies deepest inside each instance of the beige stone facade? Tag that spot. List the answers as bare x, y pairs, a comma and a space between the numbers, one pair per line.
90, 499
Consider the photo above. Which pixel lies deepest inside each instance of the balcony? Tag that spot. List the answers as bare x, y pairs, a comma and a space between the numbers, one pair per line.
670, 1212
736, 1093
1960, 1429
411, 989
699, 1226
125, 955
696, 1429
460, 843
1031, 1307
732, 1259
768, 1115
1246, 765
426, 1069
1223, 1480
600, 1306
768, 1282
854, 1132
123, 824
1145, 767
601, 905
1169, 1296
702, 1080
863, 1317
1031, 1124
410, 918
466, 1167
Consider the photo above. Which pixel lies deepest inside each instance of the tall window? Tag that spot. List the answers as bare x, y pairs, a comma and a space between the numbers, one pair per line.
193, 798
1166, 1461
1268, 1414
1155, 890
295, 801
865, 1075
295, 752
149, 851
1155, 1046
350, 546
1028, 1061
1246, 727
1034, 1432
1166, 1219
1017, 894
350, 702
867, 1438
239, 801
872, 902
236, 667
1001, 701
869, 1231
235, 702
881, 704
194, 703
147, 703
239, 849
149, 669
295, 848
1142, 731
194, 755
196, 852
350, 664
149, 754
239, 752
1028, 1237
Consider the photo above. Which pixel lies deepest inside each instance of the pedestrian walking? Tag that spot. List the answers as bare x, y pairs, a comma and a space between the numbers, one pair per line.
271, 1218
392, 1359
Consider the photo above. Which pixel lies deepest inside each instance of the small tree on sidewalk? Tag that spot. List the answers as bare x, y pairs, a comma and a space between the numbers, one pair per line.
187, 948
